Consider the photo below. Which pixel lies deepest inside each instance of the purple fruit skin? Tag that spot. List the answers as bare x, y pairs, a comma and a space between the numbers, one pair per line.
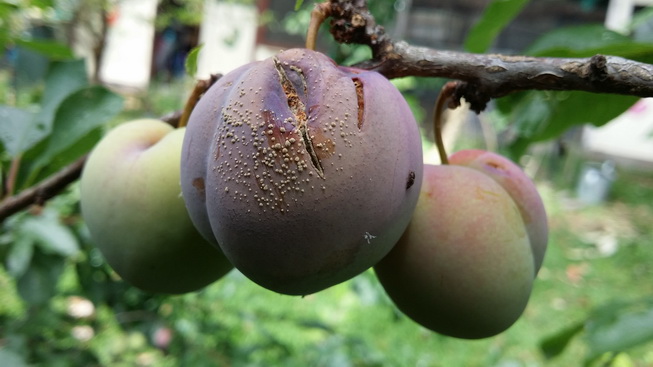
292, 222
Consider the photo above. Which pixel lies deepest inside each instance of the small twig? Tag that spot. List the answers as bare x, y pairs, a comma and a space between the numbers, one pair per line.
13, 175
198, 91
446, 99
101, 41
172, 118
320, 12
43, 191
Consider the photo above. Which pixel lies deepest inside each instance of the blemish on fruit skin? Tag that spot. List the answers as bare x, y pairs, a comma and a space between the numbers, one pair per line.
497, 167
368, 237
482, 194
198, 183
411, 180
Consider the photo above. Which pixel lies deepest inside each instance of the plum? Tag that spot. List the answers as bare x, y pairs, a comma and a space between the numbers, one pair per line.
467, 261
303, 172
131, 203
520, 187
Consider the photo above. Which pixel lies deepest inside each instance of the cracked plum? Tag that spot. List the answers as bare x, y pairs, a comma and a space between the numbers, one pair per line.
304, 172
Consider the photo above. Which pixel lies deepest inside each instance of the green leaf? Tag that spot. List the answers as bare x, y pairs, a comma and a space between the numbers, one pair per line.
20, 256
18, 131
52, 49
571, 108
80, 113
70, 154
589, 40
528, 111
39, 283
615, 328
11, 358
43, 4
47, 231
7, 8
543, 115
575, 39
555, 344
642, 18
191, 60
77, 117
11, 305
64, 77
298, 4
497, 15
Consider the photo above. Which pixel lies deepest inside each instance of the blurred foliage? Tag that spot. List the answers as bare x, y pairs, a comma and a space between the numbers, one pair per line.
42, 26
497, 15
65, 124
61, 305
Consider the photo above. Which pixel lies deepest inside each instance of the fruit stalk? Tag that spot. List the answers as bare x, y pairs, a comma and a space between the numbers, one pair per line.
198, 91
319, 13
444, 100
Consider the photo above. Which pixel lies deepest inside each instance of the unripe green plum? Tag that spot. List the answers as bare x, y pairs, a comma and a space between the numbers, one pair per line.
465, 265
131, 202
304, 172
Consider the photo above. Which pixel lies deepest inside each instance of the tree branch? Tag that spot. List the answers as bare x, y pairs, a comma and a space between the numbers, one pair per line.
43, 191
486, 76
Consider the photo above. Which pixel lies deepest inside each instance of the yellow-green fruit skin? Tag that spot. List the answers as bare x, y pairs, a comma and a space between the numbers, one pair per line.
464, 267
520, 187
131, 202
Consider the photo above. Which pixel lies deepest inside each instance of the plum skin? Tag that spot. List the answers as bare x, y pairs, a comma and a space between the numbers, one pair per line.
299, 169
521, 189
465, 265
132, 205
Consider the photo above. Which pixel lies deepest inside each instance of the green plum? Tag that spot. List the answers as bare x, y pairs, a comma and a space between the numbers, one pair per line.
131, 202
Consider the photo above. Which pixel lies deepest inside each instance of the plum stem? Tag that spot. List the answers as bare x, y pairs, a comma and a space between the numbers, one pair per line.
198, 91
445, 100
13, 175
320, 12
